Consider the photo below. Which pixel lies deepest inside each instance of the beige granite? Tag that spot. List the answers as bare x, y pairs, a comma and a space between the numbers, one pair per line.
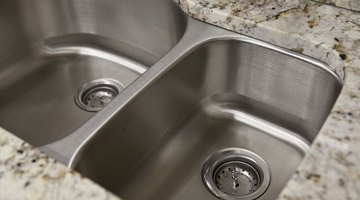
331, 170
348, 4
28, 174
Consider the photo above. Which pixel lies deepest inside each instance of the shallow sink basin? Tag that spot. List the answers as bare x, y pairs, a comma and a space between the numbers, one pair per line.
50, 49
229, 114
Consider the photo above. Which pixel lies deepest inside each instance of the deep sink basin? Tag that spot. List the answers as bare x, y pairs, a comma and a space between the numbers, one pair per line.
196, 112
225, 93
49, 49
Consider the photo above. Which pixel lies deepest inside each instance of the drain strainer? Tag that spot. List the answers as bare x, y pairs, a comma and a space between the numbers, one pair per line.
93, 96
235, 173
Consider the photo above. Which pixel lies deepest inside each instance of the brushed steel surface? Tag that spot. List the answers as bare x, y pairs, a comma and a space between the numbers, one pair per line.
191, 89
50, 48
215, 89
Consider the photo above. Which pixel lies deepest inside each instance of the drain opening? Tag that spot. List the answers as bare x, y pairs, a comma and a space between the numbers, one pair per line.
236, 178
236, 173
93, 96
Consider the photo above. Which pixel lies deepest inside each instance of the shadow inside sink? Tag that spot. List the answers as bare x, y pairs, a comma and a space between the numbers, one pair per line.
223, 94
51, 48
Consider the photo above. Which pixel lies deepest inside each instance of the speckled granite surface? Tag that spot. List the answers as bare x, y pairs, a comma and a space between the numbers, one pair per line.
27, 174
348, 4
331, 170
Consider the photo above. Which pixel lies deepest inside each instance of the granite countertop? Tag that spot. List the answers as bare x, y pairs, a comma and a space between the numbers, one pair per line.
28, 174
348, 4
329, 171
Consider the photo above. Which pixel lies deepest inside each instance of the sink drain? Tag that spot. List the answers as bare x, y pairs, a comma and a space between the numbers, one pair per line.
93, 96
235, 173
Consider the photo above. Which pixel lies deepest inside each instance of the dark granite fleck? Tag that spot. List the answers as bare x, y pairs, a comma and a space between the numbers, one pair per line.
343, 56
314, 177
27, 183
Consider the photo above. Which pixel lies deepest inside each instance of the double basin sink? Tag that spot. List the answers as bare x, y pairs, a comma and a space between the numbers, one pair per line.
153, 104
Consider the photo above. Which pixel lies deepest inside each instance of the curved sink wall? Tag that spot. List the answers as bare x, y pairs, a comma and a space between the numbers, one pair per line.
225, 93
51, 48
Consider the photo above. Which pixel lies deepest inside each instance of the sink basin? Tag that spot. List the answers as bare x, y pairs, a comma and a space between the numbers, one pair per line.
196, 112
228, 93
50, 49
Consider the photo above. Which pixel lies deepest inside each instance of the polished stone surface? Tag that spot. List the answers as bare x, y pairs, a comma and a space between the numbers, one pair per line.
348, 4
27, 174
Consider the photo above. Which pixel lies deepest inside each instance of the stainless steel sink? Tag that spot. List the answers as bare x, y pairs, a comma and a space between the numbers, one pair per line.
50, 49
196, 112
219, 116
